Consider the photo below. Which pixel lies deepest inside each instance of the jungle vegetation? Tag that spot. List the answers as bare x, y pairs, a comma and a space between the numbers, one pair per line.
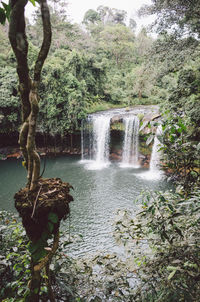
100, 65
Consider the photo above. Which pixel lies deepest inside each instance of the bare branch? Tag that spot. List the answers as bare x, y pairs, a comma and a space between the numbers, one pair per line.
18, 41
46, 40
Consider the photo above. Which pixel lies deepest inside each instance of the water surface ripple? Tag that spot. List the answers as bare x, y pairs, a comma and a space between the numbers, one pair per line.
97, 195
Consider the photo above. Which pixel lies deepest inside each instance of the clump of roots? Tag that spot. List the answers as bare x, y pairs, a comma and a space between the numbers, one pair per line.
50, 195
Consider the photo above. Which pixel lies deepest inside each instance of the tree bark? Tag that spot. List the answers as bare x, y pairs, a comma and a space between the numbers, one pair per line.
28, 88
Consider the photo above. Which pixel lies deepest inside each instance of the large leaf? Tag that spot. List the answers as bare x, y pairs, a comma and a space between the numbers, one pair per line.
53, 217
143, 125
150, 138
2, 16
33, 2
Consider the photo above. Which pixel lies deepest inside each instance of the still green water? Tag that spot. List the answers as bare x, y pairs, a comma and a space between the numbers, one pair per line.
97, 195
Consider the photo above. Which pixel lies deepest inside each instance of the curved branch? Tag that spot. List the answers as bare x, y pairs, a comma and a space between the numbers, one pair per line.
46, 40
18, 41
23, 140
33, 157
48, 257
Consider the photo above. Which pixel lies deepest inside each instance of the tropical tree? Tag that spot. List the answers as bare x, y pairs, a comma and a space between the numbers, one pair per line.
41, 221
91, 16
118, 42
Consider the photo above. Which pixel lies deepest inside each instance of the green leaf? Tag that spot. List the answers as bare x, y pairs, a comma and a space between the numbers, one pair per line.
53, 217
7, 9
171, 275
33, 247
149, 140
172, 268
183, 127
45, 236
170, 207
36, 290
33, 2
2, 16
39, 254
50, 227
143, 125
20, 291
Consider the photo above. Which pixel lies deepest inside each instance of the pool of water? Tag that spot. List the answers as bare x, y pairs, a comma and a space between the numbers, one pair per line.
97, 195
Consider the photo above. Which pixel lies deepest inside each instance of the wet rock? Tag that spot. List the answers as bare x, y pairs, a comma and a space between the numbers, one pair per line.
114, 156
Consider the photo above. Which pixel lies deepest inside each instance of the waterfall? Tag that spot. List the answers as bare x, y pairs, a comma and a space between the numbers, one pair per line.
155, 154
86, 140
101, 135
131, 142
154, 172
95, 140
82, 140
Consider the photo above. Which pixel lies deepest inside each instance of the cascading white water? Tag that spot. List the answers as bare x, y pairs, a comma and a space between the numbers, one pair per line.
86, 139
155, 154
130, 152
95, 140
154, 172
82, 140
101, 136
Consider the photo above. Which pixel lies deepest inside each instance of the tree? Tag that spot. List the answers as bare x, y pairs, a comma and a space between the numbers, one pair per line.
71, 82
132, 24
117, 40
119, 16
41, 222
28, 88
63, 32
177, 15
104, 13
91, 16
140, 82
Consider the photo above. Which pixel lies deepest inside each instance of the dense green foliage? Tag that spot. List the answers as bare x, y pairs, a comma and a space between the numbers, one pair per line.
166, 230
14, 259
9, 101
99, 67
106, 64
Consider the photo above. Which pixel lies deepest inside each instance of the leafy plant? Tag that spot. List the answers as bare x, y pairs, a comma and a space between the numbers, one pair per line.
14, 259
167, 232
181, 150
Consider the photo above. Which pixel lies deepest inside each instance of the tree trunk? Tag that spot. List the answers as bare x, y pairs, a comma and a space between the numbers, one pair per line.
28, 88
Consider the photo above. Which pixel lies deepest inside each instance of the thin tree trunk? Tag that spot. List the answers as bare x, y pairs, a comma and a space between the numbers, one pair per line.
28, 89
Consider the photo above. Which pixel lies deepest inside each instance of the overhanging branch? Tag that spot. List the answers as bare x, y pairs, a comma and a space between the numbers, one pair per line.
46, 40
